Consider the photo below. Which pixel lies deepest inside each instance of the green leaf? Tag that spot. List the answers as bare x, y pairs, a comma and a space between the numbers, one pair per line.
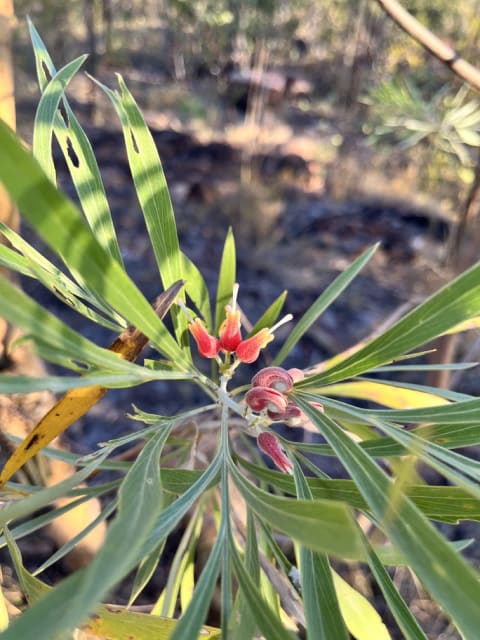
426, 551
322, 525
43, 327
44, 497
457, 301
270, 316
79, 157
322, 611
267, 621
246, 630
34, 265
190, 623
172, 514
197, 290
153, 195
457, 434
108, 621
72, 543
166, 604
58, 384
454, 413
226, 279
323, 302
46, 113
69, 604
396, 604
57, 221
145, 571
443, 503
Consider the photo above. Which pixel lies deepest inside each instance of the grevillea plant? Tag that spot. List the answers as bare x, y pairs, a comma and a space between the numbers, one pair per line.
280, 521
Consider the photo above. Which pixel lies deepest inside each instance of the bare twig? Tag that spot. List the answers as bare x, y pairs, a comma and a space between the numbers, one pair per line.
432, 43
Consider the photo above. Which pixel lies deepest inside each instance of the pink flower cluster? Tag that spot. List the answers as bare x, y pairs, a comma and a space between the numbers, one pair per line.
269, 394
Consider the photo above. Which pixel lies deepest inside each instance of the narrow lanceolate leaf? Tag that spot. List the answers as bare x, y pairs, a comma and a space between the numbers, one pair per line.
246, 630
267, 621
226, 279
108, 621
381, 392
78, 154
454, 303
320, 525
69, 604
196, 289
59, 223
322, 610
270, 316
44, 497
426, 551
32, 264
444, 503
153, 195
189, 625
150, 183
76, 402
396, 604
172, 514
46, 113
322, 302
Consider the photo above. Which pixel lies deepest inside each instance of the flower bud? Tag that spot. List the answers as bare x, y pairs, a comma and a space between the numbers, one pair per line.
261, 398
274, 377
270, 445
292, 415
297, 374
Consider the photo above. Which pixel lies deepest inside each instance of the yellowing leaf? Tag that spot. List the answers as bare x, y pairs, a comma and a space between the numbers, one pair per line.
120, 624
467, 325
388, 395
76, 402
361, 618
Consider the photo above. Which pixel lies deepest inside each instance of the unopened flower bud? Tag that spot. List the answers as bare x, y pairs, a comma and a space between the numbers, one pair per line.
264, 398
274, 377
270, 445
297, 374
292, 415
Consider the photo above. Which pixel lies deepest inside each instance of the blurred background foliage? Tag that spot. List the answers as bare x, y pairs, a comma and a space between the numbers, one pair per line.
344, 57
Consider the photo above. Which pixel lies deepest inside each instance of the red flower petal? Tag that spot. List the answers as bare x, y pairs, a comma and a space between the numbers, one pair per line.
248, 350
230, 335
207, 345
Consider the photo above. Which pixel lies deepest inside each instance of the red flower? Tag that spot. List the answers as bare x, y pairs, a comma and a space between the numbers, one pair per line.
248, 350
230, 335
208, 346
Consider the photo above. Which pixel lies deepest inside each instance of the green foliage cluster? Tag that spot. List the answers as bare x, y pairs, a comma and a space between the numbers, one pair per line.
268, 591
